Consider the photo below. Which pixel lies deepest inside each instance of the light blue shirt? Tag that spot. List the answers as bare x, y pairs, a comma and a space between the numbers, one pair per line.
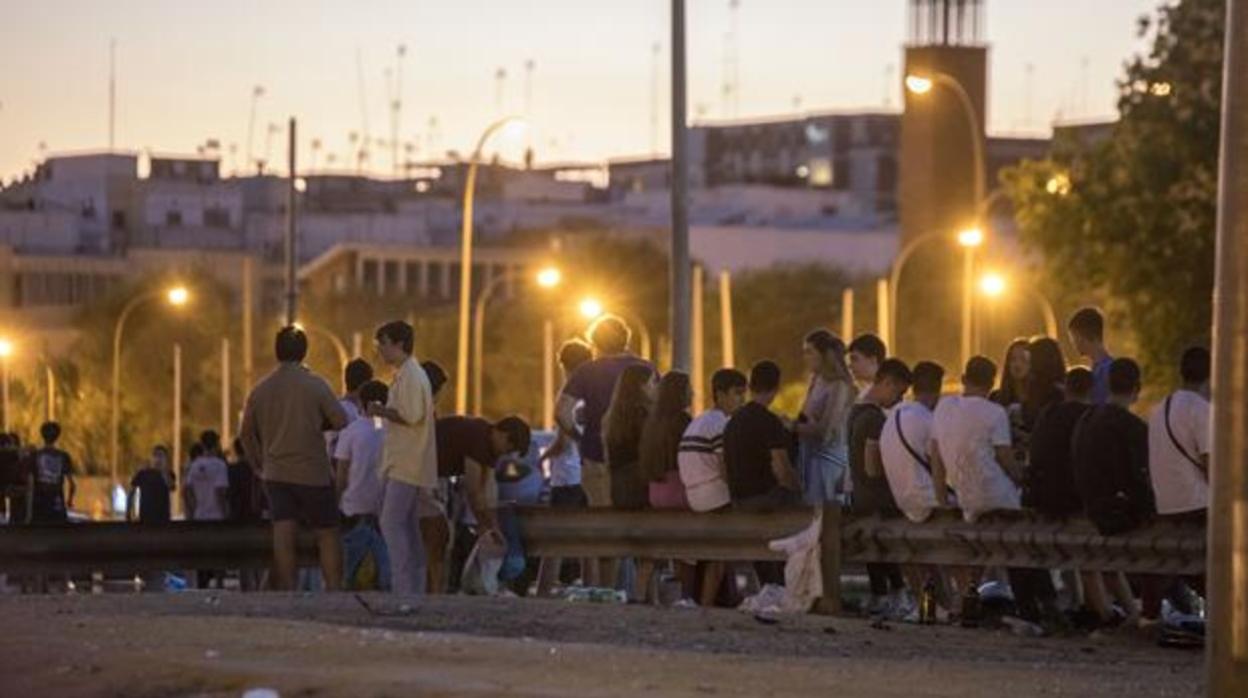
1100, 380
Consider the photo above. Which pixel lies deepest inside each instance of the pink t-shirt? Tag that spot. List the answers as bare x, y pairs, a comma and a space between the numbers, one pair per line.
668, 493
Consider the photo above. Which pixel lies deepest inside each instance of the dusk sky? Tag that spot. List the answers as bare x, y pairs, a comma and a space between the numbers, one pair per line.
186, 70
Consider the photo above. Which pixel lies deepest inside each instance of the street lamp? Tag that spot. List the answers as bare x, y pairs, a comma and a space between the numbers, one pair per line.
546, 278
923, 84
177, 296
969, 239
465, 261
6, 350
993, 285
590, 308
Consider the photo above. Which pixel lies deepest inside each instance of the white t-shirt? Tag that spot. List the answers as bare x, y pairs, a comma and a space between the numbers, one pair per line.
968, 430
1178, 485
701, 461
360, 445
909, 478
205, 476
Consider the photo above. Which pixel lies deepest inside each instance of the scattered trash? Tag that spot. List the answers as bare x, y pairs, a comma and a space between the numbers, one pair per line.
770, 599
579, 594
1022, 628
766, 618
261, 693
211, 654
174, 583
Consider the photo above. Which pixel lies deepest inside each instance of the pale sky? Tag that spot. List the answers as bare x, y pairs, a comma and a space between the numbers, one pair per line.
185, 70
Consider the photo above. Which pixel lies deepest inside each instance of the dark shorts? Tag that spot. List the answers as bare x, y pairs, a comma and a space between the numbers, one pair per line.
568, 497
312, 506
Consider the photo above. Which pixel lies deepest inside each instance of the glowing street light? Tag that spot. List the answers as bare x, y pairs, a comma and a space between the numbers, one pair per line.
546, 278
1058, 184
992, 285
591, 309
549, 277
918, 84
6, 350
177, 297
971, 237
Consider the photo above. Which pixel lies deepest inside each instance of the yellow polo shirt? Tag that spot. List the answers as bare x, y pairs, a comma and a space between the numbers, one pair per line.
410, 451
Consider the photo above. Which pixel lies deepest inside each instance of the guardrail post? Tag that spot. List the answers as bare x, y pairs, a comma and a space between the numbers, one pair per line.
830, 560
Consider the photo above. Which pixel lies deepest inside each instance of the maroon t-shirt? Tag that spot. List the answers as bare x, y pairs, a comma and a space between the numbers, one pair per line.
460, 438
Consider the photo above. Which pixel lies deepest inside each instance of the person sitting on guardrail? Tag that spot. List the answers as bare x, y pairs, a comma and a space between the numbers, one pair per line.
760, 474
282, 430
1110, 454
659, 450
872, 496
1179, 442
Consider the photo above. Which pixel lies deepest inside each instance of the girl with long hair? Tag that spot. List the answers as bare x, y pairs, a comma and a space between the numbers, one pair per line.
660, 440
1045, 379
1015, 370
621, 435
822, 428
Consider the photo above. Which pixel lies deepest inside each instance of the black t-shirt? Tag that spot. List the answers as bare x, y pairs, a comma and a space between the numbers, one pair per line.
749, 438
50, 466
1049, 484
154, 491
244, 495
1111, 464
872, 495
460, 438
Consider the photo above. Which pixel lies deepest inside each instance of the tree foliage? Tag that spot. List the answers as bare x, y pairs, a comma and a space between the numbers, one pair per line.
1135, 231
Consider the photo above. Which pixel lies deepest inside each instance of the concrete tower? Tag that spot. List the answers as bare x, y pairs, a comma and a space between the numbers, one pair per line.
937, 170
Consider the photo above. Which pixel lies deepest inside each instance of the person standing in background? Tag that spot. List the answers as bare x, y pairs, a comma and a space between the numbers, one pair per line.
52, 469
283, 427
150, 490
823, 453
409, 457
565, 467
1087, 334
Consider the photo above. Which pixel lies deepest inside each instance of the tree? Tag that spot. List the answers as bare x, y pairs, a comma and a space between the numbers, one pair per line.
1130, 222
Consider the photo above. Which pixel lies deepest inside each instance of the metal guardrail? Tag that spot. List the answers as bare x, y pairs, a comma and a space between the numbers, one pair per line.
1016, 539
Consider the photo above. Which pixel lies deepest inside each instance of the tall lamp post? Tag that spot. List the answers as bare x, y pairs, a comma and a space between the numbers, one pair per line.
970, 240
547, 278
994, 285
6, 350
177, 297
465, 263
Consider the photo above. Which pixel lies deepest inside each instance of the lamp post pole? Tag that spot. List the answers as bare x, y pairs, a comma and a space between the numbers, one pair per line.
465, 268
680, 269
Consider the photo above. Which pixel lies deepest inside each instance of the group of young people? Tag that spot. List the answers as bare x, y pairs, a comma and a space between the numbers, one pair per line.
1033, 433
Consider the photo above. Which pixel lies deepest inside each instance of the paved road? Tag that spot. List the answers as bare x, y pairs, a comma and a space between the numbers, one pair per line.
205, 644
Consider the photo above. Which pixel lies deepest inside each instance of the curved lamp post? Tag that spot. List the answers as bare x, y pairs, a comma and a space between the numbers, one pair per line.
177, 296
547, 278
465, 263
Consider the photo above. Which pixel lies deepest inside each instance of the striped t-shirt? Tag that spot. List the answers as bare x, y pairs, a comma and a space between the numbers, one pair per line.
701, 461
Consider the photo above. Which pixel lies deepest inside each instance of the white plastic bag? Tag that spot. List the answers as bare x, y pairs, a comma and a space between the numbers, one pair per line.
480, 577
803, 576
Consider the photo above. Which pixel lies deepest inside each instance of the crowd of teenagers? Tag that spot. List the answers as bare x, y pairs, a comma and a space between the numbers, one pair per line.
397, 494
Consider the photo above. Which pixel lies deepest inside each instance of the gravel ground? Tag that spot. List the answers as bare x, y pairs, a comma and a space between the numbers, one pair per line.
219, 644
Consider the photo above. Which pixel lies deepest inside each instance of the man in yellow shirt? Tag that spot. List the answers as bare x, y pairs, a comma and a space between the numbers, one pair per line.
409, 459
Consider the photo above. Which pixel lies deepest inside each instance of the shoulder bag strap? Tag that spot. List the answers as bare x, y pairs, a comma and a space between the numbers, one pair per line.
1174, 440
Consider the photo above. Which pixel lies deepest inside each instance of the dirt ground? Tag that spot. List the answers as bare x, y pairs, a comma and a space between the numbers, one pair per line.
222, 644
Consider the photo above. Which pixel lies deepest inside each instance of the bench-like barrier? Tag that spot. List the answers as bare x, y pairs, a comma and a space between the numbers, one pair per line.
1015, 539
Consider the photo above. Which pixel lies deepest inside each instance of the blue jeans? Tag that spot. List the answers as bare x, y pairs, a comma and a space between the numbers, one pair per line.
823, 472
357, 543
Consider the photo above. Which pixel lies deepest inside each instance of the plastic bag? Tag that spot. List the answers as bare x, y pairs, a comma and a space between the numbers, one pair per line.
480, 577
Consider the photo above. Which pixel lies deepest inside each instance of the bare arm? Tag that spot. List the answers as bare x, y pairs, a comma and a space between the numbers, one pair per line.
565, 414
475, 484
872, 463
130, 503
783, 470
1005, 458
73, 489
940, 480
250, 436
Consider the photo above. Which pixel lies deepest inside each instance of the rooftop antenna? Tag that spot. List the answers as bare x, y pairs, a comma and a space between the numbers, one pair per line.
365, 132
396, 107
529, 66
1029, 78
655, 49
890, 73
500, 81
112, 93
734, 56
256, 93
